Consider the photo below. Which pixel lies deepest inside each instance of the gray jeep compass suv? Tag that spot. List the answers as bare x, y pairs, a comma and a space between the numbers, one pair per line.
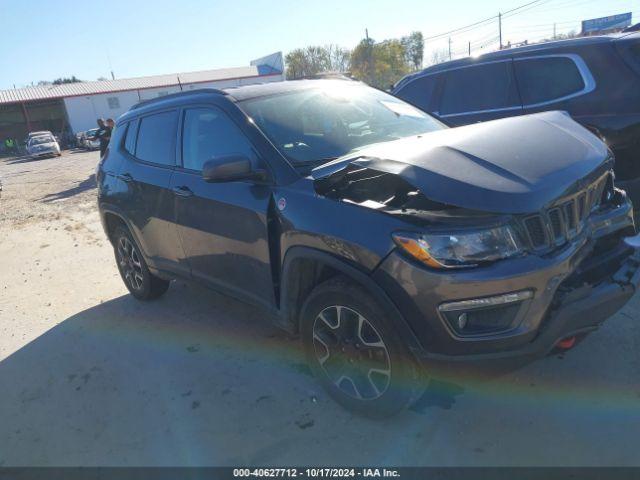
389, 242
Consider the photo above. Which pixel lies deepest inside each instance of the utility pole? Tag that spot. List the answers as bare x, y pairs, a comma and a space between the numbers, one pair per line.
500, 28
554, 31
449, 48
113, 77
469, 48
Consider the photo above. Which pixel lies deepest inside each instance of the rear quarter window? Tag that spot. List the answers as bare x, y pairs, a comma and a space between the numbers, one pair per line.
547, 79
130, 139
156, 138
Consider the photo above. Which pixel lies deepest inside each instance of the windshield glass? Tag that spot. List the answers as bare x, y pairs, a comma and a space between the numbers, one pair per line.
39, 140
318, 124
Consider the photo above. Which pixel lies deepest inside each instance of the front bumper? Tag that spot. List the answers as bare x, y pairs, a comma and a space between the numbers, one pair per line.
574, 291
44, 153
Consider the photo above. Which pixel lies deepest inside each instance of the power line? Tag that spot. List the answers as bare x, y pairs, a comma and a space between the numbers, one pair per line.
480, 22
523, 6
534, 32
440, 35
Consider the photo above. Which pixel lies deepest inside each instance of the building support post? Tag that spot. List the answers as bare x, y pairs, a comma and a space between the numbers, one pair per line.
26, 116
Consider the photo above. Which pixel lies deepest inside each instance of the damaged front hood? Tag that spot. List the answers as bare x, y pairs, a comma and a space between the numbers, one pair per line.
512, 165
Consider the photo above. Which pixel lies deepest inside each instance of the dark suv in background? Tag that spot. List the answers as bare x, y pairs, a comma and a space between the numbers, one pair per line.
387, 240
595, 79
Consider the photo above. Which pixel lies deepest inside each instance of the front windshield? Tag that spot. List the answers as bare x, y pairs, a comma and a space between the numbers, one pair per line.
318, 124
39, 140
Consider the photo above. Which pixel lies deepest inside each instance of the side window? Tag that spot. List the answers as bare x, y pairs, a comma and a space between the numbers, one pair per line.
547, 78
130, 139
482, 87
156, 138
209, 133
419, 91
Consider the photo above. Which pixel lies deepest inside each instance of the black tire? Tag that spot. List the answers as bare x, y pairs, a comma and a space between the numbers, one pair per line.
140, 282
339, 362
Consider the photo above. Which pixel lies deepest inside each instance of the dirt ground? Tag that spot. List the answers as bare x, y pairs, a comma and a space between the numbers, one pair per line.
89, 376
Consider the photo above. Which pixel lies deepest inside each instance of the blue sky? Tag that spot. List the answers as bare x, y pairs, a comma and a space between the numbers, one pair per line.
43, 40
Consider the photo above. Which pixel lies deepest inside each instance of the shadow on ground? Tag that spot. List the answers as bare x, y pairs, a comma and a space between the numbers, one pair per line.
192, 376
196, 378
83, 186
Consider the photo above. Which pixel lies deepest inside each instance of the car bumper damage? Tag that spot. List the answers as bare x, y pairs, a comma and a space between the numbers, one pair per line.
514, 311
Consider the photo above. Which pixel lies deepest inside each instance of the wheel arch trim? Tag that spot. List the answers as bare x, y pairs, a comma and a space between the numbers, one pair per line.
113, 210
289, 315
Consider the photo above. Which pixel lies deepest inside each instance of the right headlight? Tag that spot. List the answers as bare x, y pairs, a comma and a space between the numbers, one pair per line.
461, 249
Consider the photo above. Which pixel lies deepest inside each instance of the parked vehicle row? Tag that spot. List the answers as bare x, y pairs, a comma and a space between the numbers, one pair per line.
391, 243
595, 79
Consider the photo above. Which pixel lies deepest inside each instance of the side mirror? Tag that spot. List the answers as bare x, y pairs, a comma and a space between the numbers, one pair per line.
231, 168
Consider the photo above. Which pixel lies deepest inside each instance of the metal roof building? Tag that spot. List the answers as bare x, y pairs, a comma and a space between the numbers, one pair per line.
73, 107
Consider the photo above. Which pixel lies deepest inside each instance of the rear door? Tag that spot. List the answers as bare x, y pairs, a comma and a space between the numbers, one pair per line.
477, 93
223, 226
149, 162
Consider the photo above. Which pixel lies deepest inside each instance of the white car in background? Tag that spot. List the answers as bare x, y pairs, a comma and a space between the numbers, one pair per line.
43, 146
38, 134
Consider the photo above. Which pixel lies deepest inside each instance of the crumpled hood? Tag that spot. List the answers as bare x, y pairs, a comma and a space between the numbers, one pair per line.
512, 165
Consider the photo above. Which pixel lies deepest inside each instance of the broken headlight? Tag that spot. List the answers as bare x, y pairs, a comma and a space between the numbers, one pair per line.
460, 250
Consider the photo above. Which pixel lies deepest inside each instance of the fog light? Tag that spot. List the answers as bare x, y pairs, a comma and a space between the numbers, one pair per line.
462, 321
484, 315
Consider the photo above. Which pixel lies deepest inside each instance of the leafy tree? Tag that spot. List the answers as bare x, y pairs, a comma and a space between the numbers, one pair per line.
362, 64
309, 61
339, 58
379, 64
62, 80
414, 49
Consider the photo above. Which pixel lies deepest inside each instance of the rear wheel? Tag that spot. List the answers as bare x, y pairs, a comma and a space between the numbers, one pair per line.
355, 351
135, 274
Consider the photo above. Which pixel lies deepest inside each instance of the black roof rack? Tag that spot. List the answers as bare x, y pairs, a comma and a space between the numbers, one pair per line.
186, 93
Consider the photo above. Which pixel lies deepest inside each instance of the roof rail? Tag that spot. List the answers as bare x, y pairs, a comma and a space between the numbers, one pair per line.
186, 93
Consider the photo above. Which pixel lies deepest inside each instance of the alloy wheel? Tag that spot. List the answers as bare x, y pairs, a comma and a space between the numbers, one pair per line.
351, 353
129, 262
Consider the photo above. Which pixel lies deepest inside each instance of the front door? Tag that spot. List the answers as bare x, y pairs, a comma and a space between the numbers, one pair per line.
223, 226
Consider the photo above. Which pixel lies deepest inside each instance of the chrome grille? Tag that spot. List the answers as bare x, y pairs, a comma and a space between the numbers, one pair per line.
565, 220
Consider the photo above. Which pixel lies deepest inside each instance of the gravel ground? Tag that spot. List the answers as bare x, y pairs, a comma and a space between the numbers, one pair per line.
91, 377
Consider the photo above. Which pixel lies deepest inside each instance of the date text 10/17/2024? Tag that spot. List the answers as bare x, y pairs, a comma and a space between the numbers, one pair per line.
315, 473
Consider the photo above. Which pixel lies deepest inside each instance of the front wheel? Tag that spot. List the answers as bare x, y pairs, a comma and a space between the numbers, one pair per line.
354, 350
135, 274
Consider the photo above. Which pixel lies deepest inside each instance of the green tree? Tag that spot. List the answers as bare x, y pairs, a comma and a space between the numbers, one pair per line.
414, 49
309, 61
380, 64
362, 60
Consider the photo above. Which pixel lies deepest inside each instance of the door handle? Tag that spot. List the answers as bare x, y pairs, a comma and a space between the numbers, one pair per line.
125, 177
183, 191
